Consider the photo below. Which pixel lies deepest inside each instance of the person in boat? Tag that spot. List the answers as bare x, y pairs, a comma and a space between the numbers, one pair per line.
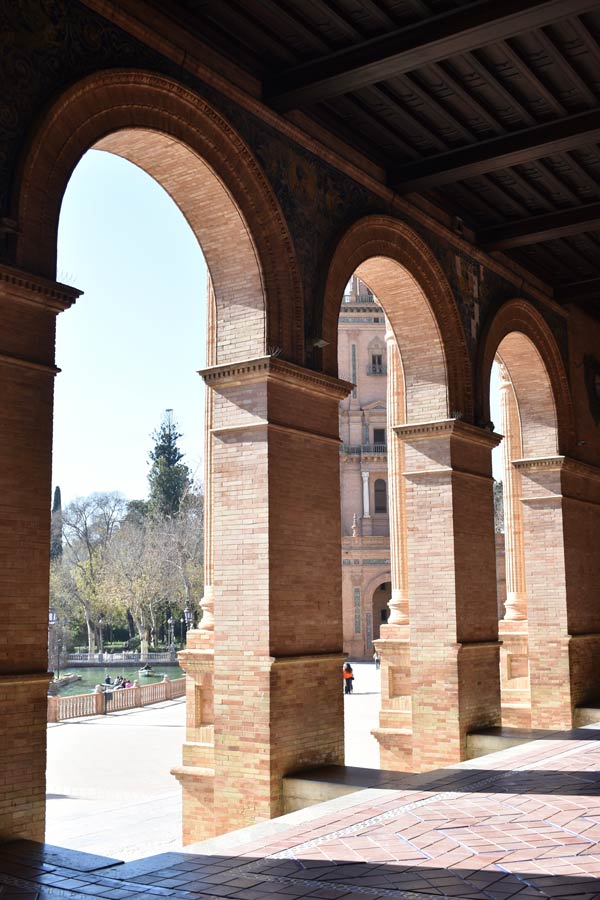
146, 668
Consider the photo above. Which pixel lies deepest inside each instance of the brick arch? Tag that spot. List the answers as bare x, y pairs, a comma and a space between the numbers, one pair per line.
211, 174
520, 337
403, 273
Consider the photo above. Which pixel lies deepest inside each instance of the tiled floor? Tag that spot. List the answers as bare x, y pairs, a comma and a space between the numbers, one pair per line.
523, 823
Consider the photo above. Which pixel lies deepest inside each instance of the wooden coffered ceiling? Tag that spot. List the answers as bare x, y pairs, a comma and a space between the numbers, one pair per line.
490, 109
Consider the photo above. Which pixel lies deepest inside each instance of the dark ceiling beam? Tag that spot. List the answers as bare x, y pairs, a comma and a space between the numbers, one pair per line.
536, 229
405, 49
578, 290
498, 153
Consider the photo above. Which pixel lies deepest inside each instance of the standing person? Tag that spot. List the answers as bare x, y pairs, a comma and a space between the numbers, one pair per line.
348, 678
377, 659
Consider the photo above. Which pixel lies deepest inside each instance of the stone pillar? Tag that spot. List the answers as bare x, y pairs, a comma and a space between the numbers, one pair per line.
366, 503
395, 722
367, 522
513, 628
454, 650
28, 309
197, 771
561, 518
278, 704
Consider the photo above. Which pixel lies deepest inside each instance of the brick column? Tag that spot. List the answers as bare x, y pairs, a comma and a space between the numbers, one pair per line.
454, 651
561, 518
513, 628
395, 721
277, 582
28, 309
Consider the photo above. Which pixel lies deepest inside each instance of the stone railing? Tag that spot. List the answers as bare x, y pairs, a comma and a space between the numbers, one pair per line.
133, 656
102, 702
363, 449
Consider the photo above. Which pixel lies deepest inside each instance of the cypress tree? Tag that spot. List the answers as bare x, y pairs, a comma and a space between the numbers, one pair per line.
56, 526
169, 478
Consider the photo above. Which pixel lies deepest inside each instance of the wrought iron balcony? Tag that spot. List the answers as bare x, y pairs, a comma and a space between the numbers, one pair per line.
377, 370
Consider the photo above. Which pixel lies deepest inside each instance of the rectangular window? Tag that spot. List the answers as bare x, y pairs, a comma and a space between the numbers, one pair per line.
379, 435
357, 610
354, 390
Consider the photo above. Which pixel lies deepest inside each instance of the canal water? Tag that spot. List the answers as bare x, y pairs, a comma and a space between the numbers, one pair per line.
93, 675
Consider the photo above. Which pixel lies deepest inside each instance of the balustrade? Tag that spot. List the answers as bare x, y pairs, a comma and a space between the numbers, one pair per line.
96, 704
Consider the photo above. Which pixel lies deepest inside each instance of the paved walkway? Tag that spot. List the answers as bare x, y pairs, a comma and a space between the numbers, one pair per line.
522, 823
110, 790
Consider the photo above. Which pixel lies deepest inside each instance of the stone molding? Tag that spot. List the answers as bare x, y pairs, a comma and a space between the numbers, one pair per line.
274, 425
446, 428
19, 678
335, 657
23, 287
540, 462
275, 369
20, 362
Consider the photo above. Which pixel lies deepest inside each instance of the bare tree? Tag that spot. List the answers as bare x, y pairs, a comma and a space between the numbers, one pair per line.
89, 524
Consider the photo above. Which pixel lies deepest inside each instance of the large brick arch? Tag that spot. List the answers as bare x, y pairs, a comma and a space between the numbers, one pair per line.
404, 274
211, 174
521, 338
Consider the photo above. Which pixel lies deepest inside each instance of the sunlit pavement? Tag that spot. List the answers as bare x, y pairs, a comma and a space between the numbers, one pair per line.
110, 790
522, 823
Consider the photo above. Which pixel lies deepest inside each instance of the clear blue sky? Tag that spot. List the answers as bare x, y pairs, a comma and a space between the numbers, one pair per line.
131, 345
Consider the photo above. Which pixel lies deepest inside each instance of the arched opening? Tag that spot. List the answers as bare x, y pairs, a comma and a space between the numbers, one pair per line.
380, 604
428, 399
128, 350
529, 428
200, 161
546, 673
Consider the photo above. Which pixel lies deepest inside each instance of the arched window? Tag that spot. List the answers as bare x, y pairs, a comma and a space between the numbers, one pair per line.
380, 496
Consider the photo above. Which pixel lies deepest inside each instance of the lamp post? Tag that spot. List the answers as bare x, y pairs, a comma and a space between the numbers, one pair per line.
101, 641
171, 636
181, 624
188, 616
52, 620
59, 644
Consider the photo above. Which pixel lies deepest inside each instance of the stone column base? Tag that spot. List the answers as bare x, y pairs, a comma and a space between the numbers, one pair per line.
394, 733
395, 748
198, 798
514, 674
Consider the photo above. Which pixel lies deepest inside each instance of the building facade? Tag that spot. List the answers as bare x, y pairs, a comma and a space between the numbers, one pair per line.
366, 578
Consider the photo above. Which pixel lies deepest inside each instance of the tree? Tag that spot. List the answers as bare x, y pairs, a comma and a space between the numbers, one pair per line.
182, 542
89, 524
56, 526
169, 478
135, 576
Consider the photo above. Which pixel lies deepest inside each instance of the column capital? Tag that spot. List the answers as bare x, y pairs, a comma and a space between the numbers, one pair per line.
571, 477
548, 463
448, 428
33, 290
272, 368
